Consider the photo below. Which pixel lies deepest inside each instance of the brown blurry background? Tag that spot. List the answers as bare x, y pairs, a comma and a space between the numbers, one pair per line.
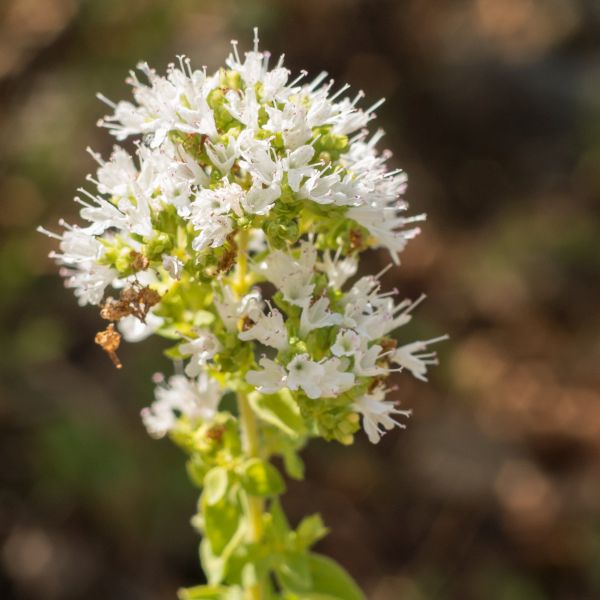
493, 492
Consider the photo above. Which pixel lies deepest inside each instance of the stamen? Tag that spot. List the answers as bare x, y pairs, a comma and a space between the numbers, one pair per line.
256, 40
375, 106
340, 91
236, 55
104, 99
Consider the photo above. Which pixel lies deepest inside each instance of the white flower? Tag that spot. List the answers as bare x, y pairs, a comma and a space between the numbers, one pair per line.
306, 374
231, 309
293, 277
259, 200
378, 415
269, 330
316, 316
89, 282
338, 270
365, 361
173, 266
221, 155
385, 226
197, 399
347, 343
298, 166
270, 380
323, 379
414, 358
134, 330
258, 158
177, 101
79, 254
290, 122
201, 350
335, 379
213, 233
117, 174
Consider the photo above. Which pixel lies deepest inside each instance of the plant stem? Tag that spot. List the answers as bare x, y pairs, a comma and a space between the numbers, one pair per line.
249, 428
248, 425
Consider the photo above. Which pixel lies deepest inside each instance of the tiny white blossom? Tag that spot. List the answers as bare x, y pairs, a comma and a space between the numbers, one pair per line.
347, 343
259, 200
213, 233
269, 330
306, 374
201, 349
335, 379
134, 330
271, 379
193, 398
365, 362
338, 270
316, 316
292, 277
414, 358
221, 155
231, 309
378, 415
173, 266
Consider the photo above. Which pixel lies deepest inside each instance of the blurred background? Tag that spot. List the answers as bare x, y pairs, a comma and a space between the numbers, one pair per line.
493, 492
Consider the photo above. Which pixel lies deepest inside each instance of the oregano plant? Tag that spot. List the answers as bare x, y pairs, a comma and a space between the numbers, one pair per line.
234, 230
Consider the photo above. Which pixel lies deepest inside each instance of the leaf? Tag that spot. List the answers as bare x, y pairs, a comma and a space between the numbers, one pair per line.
294, 465
202, 592
310, 530
261, 478
294, 572
221, 522
216, 565
279, 410
279, 522
212, 564
216, 483
330, 579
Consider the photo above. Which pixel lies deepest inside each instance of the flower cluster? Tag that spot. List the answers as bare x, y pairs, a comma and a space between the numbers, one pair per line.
234, 230
289, 166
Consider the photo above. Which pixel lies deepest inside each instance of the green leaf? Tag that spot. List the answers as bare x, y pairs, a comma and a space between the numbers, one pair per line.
202, 592
279, 410
221, 522
216, 565
294, 465
261, 478
332, 580
294, 573
279, 522
310, 530
212, 564
216, 483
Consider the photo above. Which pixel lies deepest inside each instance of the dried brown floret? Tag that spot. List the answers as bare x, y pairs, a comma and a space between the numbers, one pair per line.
356, 239
227, 260
136, 301
215, 433
109, 340
246, 323
387, 344
375, 383
139, 262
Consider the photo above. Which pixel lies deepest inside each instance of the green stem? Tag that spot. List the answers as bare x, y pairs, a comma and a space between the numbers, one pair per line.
250, 437
249, 426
